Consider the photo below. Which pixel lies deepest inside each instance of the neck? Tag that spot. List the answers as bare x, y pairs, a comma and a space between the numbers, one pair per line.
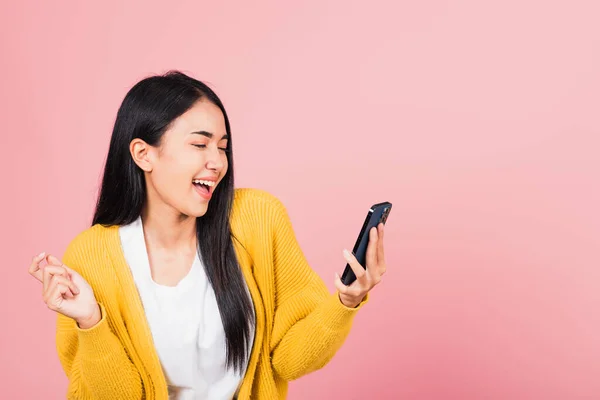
168, 229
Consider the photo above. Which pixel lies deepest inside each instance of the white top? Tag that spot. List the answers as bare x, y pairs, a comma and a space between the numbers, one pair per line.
186, 326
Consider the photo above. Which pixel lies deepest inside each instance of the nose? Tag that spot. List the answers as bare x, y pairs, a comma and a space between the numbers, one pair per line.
214, 159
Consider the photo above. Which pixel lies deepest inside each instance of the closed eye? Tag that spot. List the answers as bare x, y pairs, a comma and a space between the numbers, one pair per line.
203, 146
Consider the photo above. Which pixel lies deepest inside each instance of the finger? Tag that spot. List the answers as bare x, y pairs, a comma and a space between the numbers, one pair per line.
372, 252
55, 297
350, 291
55, 261
61, 280
34, 267
359, 271
339, 285
49, 271
74, 290
57, 280
380, 253
69, 270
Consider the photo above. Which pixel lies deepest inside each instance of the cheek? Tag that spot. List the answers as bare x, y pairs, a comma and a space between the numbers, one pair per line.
172, 175
225, 164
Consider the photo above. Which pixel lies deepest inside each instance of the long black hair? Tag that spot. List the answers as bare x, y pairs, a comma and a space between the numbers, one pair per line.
146, 112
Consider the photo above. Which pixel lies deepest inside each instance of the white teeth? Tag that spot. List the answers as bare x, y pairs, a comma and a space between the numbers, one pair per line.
207, 183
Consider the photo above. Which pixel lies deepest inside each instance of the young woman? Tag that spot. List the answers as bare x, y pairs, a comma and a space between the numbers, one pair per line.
183, 287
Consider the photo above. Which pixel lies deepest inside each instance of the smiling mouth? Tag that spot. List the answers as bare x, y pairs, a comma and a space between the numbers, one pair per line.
205, 186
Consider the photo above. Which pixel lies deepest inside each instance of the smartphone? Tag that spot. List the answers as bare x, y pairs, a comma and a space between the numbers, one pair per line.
378, 213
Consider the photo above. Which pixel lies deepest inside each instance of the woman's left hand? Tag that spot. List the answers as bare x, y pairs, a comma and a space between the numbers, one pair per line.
366, 279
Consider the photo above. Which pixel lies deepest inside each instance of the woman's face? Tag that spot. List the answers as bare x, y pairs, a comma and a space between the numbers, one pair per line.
190, 161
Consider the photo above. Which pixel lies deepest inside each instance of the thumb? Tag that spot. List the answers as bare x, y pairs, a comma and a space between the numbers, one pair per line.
53, 260
56, 262
72, 272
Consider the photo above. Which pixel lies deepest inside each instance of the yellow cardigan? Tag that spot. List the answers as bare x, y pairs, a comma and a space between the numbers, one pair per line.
299, 324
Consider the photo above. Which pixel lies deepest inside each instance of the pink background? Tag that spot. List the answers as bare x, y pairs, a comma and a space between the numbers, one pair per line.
477, 119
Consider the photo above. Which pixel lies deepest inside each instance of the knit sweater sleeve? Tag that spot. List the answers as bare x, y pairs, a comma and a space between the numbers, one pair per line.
93, 359
310, 324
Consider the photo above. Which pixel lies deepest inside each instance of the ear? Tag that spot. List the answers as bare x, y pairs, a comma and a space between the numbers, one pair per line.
140, 152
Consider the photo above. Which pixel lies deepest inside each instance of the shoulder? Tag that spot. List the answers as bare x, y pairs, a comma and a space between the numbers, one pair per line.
260, 203
88, 244
253, 195
88, 239
256, 210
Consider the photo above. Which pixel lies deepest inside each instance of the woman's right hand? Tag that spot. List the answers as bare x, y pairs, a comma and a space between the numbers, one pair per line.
65, 291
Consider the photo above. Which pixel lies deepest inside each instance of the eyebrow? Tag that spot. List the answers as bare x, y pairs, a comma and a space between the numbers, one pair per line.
209, 135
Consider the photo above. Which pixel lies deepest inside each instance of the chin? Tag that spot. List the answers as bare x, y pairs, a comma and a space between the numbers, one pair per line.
198, 211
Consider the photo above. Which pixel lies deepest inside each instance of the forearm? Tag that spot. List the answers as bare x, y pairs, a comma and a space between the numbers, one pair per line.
96, 363
311, 342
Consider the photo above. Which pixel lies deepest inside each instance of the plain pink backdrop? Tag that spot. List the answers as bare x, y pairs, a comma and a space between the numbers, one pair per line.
478, 120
